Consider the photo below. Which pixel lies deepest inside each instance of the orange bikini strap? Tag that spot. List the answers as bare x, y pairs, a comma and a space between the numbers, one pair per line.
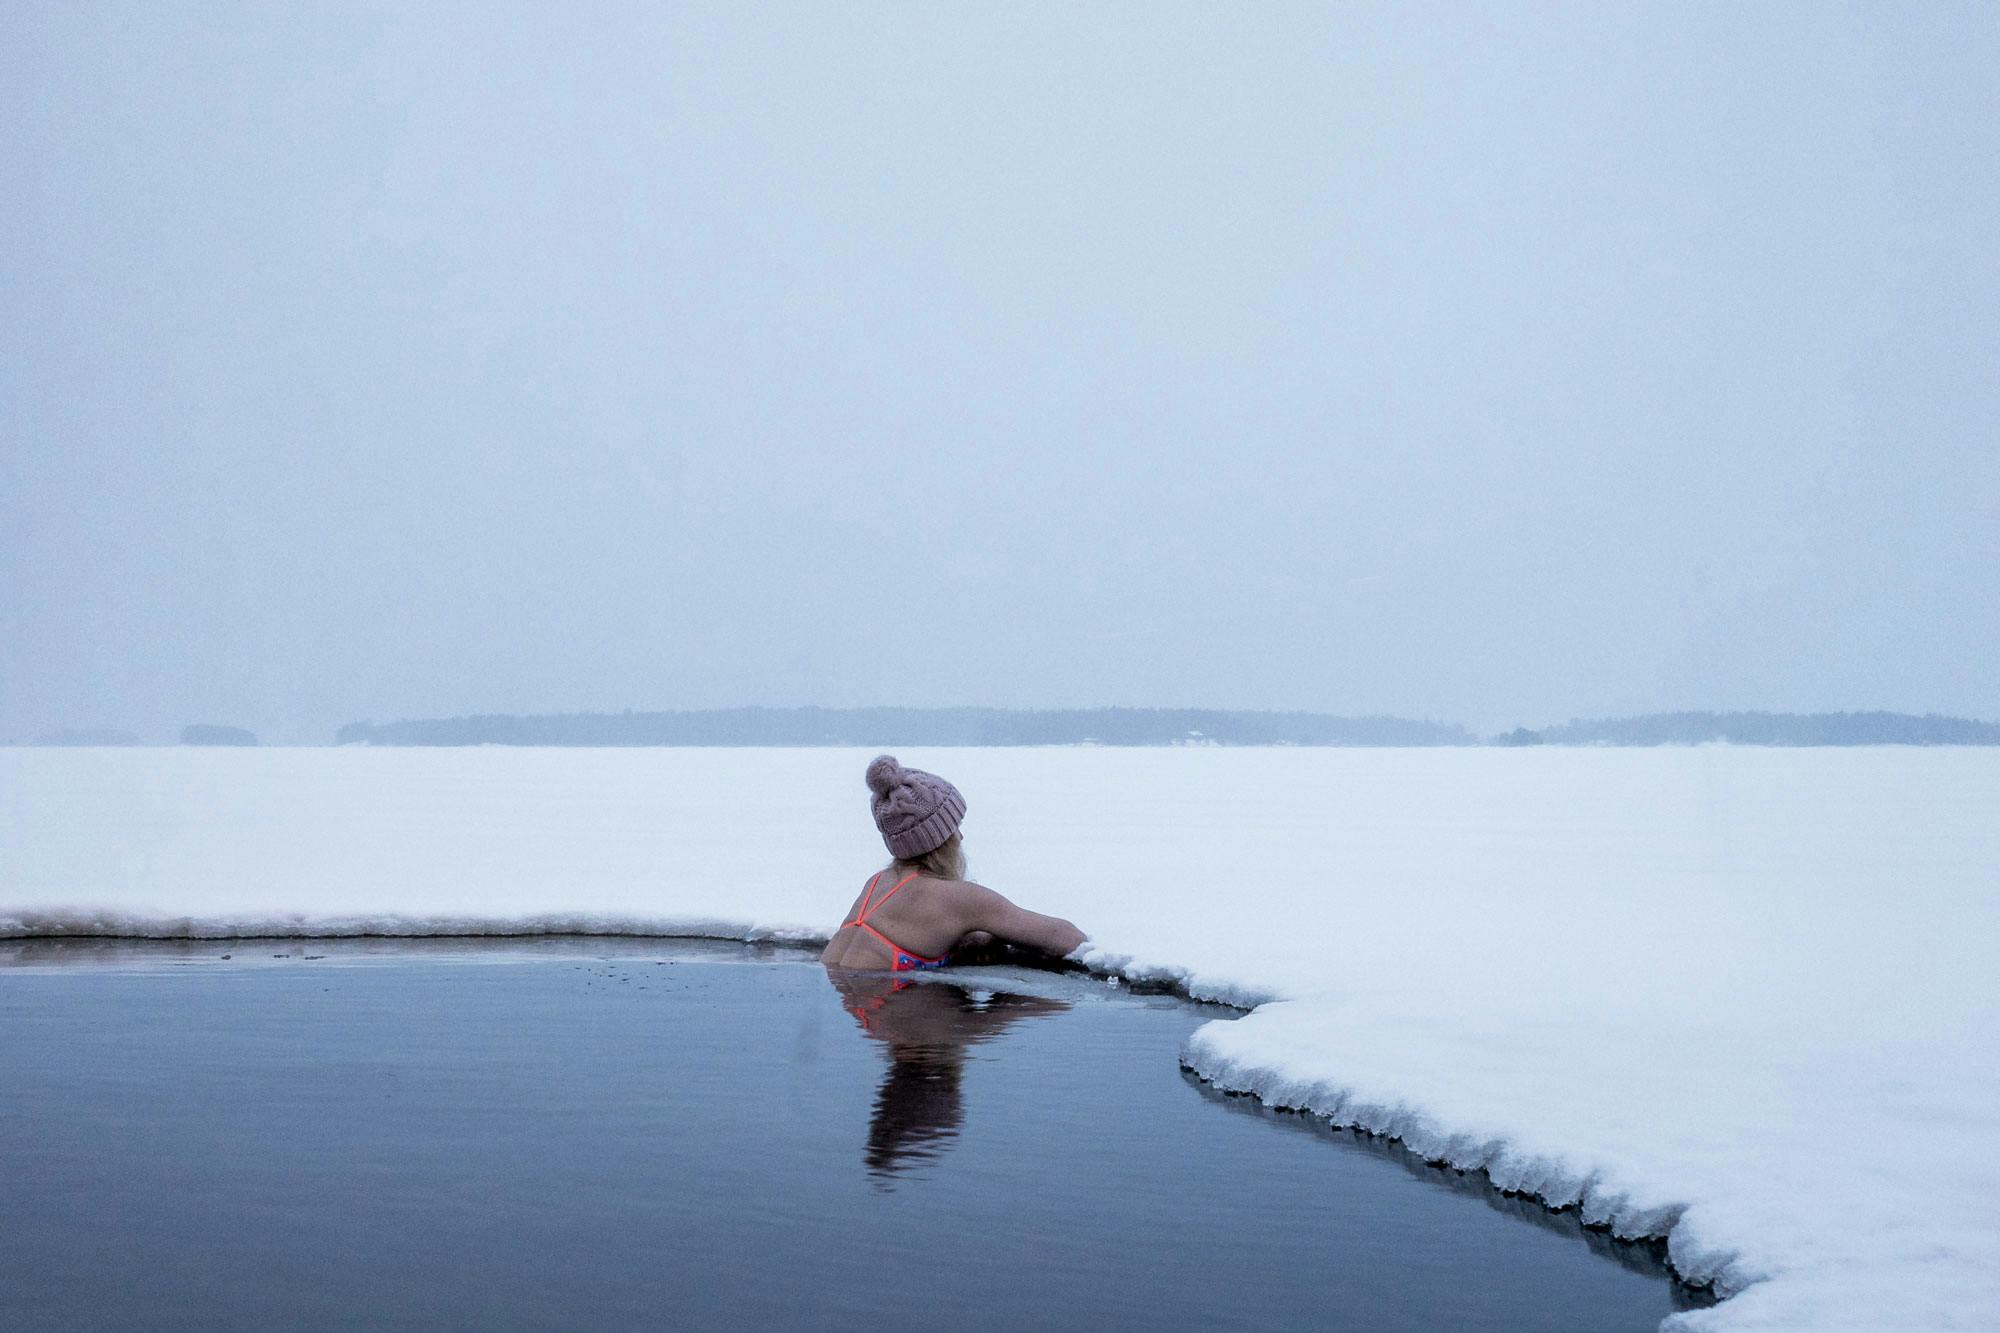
867, 906
892, 893
893, 946
866, 894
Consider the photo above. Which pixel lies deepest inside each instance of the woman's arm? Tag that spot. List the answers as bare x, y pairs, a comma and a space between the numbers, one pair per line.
992, 912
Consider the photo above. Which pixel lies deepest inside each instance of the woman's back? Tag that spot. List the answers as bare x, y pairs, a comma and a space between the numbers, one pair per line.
901, 911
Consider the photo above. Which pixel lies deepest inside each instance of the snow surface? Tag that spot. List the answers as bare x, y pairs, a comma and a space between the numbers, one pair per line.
1744, 998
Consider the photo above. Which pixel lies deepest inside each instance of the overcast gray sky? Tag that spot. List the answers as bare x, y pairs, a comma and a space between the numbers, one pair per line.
1493, 363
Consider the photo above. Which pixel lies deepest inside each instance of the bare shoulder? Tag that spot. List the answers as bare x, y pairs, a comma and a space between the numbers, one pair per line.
981, 908
975, 901
965, 889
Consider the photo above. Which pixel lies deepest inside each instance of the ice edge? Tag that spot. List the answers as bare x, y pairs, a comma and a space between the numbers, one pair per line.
1548, 1183
1720, 1271
69, 923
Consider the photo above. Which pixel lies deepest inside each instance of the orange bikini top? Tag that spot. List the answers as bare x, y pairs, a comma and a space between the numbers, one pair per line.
905, 960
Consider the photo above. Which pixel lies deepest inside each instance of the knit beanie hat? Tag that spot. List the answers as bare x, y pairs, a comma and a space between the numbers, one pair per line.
916, 811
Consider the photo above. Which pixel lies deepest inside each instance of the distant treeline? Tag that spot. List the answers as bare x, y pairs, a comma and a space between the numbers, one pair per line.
1147, 726
215, 733
86, 736
889, 727
1764, 729
912, 726
197, 733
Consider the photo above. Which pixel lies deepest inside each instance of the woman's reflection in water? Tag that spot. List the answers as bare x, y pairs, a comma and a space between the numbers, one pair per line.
926, 1026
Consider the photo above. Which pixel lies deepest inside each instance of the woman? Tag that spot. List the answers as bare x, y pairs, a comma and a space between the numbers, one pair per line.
914, 913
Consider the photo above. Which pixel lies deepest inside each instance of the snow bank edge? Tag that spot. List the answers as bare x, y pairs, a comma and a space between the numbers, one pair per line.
1552, 1184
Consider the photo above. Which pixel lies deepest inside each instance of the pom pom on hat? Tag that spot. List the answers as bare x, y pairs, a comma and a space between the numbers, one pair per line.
882, 773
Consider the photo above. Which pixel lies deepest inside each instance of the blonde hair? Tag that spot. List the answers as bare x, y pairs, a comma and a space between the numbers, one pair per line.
944, 861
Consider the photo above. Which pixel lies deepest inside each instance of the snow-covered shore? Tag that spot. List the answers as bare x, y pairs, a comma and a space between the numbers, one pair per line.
1744, 998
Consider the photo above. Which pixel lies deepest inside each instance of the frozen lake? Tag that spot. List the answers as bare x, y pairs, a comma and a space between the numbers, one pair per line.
1742, 999
605, 1133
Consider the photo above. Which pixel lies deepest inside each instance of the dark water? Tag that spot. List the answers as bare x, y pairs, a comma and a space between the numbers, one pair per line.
595, 1133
